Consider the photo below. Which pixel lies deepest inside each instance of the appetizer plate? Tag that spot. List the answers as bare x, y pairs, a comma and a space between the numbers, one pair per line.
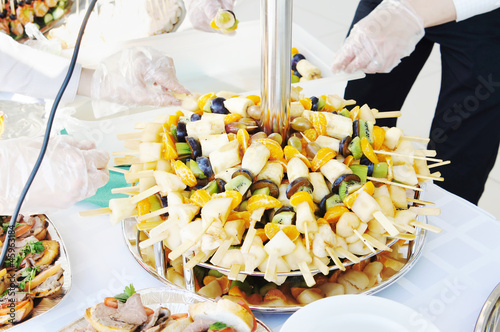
176, 300
42, 306
357, 313
130, 235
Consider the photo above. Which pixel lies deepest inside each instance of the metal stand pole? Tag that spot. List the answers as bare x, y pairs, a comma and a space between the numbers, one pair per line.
276, 31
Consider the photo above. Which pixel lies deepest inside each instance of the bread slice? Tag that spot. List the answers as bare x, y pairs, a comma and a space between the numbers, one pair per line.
225, 311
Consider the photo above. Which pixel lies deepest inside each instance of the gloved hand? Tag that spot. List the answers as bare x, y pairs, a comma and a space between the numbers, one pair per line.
71, 171
377, 43
137, 76
202, 12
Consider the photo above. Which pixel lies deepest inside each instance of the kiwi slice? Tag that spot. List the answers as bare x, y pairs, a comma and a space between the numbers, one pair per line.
260, 191
361, 171
345, 112
212, 187
332, 201
347, 188
193, 166
355, 148
183, 149
240, 183
284, 218
366, 130
380, 170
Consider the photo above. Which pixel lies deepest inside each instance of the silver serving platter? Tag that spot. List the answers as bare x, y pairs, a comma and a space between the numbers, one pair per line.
44, 305
176, 300
414, 252
489, 318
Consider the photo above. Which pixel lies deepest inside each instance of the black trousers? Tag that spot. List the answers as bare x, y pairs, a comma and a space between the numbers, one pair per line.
466, 124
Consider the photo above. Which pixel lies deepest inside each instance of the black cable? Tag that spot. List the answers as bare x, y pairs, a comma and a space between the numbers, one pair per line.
11, 229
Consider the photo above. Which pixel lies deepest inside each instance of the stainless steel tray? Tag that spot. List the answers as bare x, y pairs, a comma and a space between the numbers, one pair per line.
44, 305
489, 318
176, 300
415, 250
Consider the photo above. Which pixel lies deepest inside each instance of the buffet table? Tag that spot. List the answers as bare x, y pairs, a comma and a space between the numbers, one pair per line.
448, 285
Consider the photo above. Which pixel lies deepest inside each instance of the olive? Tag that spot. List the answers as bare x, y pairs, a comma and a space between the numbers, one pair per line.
274, 190
295, 142
255, 112
299, 184
342, 178
312, 149
301, 124
257, 136
276, 137
344, 146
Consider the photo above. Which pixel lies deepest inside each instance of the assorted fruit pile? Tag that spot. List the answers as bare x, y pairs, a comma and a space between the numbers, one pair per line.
14, 15
31, 272
210, 185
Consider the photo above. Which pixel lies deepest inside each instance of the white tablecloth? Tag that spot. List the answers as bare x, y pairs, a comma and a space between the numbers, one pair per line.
457, 271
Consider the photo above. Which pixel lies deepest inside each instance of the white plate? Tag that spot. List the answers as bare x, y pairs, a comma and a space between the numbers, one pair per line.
357, 313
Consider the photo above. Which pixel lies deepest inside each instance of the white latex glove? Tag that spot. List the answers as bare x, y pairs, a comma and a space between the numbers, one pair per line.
71, 171
202, 12
137, 76
378, 42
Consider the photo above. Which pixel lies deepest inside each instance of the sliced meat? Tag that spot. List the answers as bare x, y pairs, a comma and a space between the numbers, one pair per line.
132, 312
159, 316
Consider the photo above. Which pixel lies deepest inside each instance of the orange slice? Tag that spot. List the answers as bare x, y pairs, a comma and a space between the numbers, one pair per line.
234, 194
273, 146
200, 197
378, 137
242, 136
307, 103
231, 118
368, 187
302, 196
203, 99
354, 113
170, 151
367, 149
143, 207
319, 122
261, 232
348, 160
291, 152
254, 98
322, 221
245, 215
262, 201
334, 213
271, 229
294, 51
231, 137
184, 173
311, 134
323, 156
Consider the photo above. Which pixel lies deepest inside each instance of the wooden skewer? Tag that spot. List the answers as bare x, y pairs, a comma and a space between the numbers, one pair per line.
381, 180
131, 135
125, 190
221, 251
125, 153
117, 170
94, 213
195, 260
131, 144
386, 223
418, 201
129, 160
308, 277
442, 163
429, 177
376, 243
409, 237
405, 228
428, 153
140, 125
177, 252
426, 211
334, 257
390, 153
438, 174
148, 226
145, 194
425, 226
234, 272
306, 235
305, 137
247, 243
270, 274
153, 214
365, 241
386, 115
416, 139
350, 256
321, 266
139, 175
